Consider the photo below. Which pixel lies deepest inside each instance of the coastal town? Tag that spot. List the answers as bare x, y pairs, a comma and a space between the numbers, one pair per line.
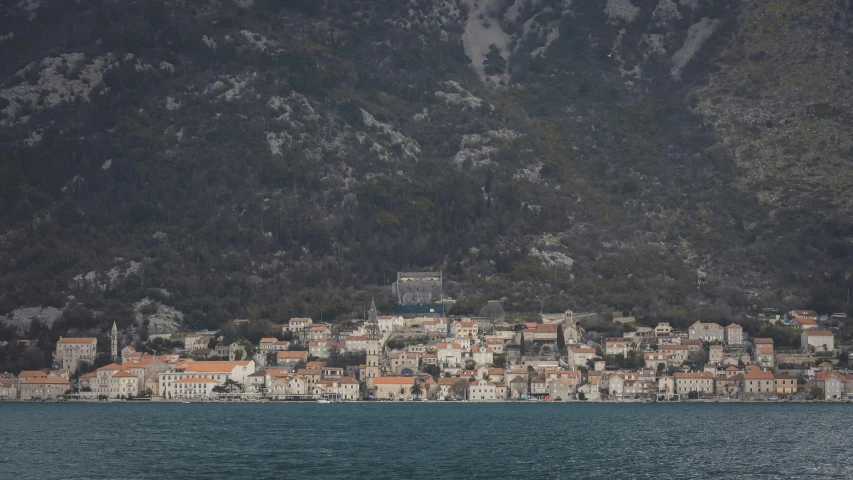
427, 356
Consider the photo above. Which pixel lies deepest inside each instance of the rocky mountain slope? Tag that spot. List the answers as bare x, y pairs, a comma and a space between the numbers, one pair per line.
184, 163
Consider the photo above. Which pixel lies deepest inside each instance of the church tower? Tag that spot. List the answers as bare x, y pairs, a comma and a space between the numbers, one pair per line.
114, 344
374, 346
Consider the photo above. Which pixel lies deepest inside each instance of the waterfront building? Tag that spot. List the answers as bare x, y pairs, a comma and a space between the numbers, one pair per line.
43, 388
220, 371
701, 382
482, 391
757, 382
192, 388
390, 387
785, 384
834, 384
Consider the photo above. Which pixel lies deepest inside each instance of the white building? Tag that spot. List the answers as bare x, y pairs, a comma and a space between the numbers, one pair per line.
193, 388
297, 324
707, 332
817, 340
616, 348
482, 390
219, 371
356, 343
653, 359
267, 345
449, 355
388, 324
734, 334
72, 351
464, 330
579, 356
701, 382
663, 329
482, 355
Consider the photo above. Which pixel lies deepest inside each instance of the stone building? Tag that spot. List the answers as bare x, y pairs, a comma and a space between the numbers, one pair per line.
70, 352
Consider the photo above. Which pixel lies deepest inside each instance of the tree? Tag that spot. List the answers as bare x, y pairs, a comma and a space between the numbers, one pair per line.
460, 388
238, 354
417, 390
402, 391
581, 396
816, 392
698, 357
661, 369
499, 360
229, 386
493, 310
693, 395
523, 349
561, 338
494, 63
433, 370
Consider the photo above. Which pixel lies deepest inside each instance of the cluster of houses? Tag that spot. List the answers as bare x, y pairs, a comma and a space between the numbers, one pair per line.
468, 358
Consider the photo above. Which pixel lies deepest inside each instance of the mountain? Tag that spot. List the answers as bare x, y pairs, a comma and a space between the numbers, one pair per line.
179, 164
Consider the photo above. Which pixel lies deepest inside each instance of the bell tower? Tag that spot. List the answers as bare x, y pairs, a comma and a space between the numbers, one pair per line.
114, 344
374, 346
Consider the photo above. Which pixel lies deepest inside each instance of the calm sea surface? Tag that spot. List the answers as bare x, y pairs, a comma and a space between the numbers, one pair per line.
435, 441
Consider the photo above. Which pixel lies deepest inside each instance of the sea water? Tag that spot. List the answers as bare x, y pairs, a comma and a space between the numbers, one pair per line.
424, 440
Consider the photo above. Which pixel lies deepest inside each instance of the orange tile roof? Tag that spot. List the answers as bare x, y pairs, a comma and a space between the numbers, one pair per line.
124, 373
46, 381
31, 373
819, 333
735, 325
294, 354
315, 364
268, 340
824, 376
805, 321
756, 374
583, 350
76, 340
112, 366
763, 341
214, 366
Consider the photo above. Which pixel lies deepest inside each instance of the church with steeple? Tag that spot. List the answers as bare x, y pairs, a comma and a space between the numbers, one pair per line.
374, 346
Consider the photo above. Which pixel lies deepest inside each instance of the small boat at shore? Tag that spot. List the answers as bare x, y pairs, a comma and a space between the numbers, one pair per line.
323, 400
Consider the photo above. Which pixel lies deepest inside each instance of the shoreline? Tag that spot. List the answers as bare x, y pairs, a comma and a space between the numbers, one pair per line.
453, 402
